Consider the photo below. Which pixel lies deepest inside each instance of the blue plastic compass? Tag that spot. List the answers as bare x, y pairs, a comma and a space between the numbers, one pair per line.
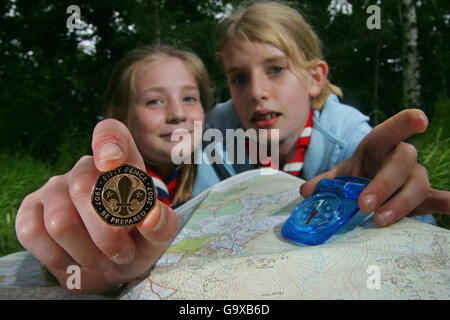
317, 218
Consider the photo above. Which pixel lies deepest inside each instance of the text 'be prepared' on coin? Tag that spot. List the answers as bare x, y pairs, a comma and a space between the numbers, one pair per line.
123, 196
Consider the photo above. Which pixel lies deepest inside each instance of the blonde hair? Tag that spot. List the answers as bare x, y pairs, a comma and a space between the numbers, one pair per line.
283, 27
121, 93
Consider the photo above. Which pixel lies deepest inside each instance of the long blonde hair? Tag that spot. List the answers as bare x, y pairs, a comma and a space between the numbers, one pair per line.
283, 27
121, 93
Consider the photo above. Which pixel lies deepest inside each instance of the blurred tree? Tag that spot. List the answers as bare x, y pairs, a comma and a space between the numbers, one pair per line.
433, 20
52, 78
411, 65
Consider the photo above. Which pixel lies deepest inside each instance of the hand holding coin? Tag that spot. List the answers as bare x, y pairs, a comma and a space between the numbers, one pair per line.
60, 226
123, 196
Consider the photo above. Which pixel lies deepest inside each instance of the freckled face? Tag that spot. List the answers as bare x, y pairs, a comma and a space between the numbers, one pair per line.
267, 91
168, 98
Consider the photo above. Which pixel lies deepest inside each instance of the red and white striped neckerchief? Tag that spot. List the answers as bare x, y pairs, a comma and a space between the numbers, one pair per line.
294, 164
166, 189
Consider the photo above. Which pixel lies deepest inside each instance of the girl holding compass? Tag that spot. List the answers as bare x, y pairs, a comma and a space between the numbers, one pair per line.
277, 78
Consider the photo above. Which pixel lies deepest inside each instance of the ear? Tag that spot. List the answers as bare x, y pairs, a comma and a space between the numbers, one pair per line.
318, 74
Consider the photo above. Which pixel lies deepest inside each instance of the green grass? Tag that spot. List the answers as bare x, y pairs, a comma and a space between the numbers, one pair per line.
21, 176
434, 155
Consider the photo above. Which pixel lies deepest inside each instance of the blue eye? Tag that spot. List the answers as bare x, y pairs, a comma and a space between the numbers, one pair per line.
153, 102
189, 99
276, 70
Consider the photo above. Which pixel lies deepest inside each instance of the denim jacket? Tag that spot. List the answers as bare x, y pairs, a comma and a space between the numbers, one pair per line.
337, 131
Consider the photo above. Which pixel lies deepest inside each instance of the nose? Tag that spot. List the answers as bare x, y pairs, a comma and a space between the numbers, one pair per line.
175, 113
259, 88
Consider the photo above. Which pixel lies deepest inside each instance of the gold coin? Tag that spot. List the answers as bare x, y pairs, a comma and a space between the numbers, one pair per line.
123, 196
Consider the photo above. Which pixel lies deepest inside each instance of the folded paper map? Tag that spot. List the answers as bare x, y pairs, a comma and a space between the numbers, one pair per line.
230, 246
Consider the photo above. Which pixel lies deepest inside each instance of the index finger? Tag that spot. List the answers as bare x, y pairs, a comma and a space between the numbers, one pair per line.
113, 145
384, 137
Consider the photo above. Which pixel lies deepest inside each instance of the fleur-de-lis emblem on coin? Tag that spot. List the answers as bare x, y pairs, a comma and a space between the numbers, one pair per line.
123, 196
124, 202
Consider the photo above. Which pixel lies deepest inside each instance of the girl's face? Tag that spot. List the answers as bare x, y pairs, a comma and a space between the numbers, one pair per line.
168, 98
267, 90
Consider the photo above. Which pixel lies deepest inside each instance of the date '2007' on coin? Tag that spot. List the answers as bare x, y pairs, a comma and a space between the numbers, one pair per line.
123, 196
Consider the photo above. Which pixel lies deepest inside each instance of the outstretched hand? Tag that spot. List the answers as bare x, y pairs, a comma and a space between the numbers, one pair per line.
399, 185
59, 226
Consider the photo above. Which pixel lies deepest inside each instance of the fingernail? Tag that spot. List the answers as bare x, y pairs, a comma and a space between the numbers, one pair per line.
123, 257
387, 217
109, 151
370, 200
424, 119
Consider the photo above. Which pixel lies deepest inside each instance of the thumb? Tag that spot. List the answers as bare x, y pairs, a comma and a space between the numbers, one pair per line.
160, 226
113, 145
307, 189
437, 201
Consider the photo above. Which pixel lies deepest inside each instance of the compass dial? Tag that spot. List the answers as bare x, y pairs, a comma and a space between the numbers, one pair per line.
317, 212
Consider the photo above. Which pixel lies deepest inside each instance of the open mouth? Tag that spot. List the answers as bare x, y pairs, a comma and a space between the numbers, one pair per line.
265, 119
265, 116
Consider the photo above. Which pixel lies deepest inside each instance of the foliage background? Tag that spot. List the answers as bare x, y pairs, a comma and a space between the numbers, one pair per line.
51, 78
